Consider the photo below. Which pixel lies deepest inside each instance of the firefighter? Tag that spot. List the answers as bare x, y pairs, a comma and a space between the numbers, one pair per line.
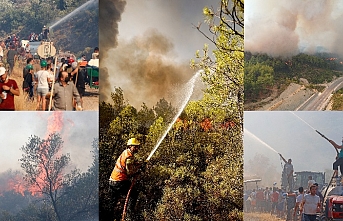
339, 159
124, 169
287, 174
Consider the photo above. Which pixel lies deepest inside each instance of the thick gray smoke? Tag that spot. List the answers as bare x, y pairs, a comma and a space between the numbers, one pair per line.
145, 69
109, 17
287, 27
261, 168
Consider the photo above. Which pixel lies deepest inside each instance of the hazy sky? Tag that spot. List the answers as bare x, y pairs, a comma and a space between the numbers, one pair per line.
156, 41
78, 132
287, 27
285, 133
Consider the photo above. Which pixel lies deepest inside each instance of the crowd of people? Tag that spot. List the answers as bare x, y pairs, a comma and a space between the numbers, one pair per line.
282, 204
63, 84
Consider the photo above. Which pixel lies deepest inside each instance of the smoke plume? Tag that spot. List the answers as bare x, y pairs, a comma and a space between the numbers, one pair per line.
261, 168
145, 69
109, 17
287, 27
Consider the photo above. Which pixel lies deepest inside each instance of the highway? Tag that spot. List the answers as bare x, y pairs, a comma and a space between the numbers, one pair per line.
320, 100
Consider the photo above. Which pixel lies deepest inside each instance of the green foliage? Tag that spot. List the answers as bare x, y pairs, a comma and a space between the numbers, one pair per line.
277, 72
258, 78
337, 100
197, 171
24, 17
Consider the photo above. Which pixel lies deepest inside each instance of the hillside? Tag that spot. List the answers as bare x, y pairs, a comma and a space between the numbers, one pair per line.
77, 33
265, 78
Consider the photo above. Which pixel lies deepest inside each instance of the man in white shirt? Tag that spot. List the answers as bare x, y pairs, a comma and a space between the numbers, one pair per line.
311, 205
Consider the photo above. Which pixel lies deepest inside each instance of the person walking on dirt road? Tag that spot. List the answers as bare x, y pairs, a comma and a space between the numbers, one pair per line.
11, 57
311, 205
63, 93
8, 89
42, 80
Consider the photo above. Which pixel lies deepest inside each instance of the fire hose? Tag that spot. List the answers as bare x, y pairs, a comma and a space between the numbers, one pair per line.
327, 188
326, 139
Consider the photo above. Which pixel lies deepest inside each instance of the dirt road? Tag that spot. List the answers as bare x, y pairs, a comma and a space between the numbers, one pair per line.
90, 100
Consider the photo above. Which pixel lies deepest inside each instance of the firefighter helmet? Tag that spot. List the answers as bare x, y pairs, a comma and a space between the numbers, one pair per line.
133, 142
43, 63
29, 67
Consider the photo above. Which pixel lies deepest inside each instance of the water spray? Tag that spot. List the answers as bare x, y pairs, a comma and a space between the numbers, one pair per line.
326, 139
303, 121
322, 135
190, 85
76, 11
258, 139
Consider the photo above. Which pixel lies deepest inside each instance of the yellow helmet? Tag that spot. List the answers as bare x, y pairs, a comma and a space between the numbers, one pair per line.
133, 141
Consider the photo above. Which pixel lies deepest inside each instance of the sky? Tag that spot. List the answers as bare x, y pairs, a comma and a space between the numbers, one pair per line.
152, 46
293, 135
287, 27
78, 130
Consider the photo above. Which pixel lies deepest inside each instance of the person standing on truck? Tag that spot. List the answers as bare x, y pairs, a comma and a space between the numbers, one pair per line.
339, 159
287, 173
311, 205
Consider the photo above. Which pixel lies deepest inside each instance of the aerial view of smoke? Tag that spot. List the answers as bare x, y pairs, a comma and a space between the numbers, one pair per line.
286, 28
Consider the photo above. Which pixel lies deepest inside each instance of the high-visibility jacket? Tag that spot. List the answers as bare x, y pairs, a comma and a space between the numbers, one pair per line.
119, 172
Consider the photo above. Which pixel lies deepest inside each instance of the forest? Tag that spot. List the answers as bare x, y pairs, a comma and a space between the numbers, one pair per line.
76, 34
197, 171
262, 73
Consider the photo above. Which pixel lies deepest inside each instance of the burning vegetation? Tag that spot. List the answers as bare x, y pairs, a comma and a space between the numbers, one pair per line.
46, 188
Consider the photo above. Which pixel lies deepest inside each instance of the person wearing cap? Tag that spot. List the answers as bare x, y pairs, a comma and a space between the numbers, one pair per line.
125, 168
42, 79
8, 89
287, 173
28, 82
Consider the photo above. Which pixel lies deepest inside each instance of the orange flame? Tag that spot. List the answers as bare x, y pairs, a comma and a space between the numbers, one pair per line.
54, 125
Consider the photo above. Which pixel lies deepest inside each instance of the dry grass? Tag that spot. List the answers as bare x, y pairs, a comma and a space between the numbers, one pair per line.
90, 101
260, 217
20, 102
